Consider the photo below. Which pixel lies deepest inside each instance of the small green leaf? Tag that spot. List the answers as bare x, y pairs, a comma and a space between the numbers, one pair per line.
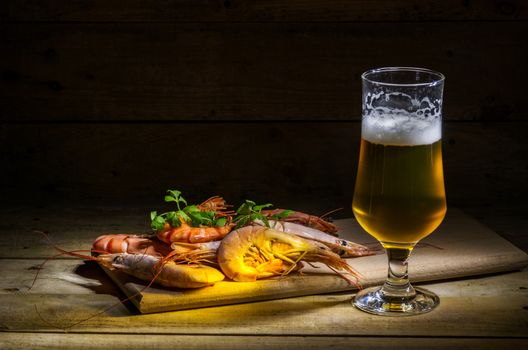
175, 196
175, 193
158, 223
197, 219
220, 222
181, 214
249, 211
153, 214
246, 207
174, 221
282, 215
242, 221
191, 209
170, 199
258, 208
243, 209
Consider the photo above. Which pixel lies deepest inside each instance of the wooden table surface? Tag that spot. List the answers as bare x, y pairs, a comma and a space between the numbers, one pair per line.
485, 312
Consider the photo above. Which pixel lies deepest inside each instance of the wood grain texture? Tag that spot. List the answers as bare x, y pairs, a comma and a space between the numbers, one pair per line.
67, 227
249, 71
307, 166
57, 276
134, 341
511, 221
261, 11
458, 315
472, 312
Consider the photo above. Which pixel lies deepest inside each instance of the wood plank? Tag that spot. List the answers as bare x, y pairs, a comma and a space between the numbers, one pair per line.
307, 166
244, 71
259, 11
136, 341
465, 314
510, 222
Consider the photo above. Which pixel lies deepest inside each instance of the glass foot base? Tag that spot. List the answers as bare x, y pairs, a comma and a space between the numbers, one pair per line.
373, 301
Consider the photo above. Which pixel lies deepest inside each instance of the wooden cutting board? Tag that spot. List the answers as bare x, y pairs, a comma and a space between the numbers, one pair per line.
460, 247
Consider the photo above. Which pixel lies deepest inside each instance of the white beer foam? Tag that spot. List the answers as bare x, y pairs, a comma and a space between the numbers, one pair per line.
401, 129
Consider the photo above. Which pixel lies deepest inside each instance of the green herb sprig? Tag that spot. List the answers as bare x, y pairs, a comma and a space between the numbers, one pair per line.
186, 213
249, 211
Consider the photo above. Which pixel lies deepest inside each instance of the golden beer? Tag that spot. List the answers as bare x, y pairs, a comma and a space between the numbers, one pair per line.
399, 194
399, 197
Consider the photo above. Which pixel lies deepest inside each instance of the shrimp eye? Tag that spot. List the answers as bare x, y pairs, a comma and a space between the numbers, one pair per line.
118, 259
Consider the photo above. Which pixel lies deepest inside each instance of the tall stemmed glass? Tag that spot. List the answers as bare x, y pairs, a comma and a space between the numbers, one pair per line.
399, 197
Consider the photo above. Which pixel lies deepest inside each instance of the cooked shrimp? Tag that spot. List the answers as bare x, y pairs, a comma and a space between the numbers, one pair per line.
344, 248
254, 252
304, 219
168, 274
157, 269
189, 234
132, 244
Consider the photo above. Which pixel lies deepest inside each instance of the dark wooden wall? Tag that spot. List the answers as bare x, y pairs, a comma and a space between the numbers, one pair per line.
112, 102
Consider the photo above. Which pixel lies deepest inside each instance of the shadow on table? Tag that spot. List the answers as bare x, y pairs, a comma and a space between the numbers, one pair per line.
91, 270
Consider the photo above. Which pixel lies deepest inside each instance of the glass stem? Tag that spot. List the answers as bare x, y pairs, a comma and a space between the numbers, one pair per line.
397, 285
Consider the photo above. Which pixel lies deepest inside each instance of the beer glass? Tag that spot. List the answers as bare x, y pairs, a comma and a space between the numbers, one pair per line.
399, 196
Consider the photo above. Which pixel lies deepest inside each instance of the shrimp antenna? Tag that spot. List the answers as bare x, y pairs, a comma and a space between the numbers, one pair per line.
47, 322
75, 253
72, 252
62, 252
121, 301
330, 212
116, 303
354, 281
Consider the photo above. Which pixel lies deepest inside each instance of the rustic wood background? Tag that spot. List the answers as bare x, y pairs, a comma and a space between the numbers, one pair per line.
113, 102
